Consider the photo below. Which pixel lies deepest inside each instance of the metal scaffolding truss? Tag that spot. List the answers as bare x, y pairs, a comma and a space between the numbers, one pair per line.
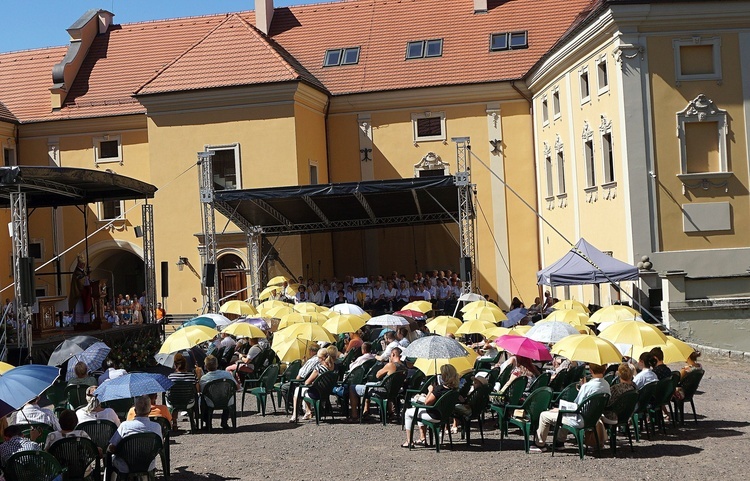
147, 215
206, 181
20, 240
465, 208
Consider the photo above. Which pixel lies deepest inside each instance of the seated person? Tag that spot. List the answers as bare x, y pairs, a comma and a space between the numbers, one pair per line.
402, 336
82, 378
646, 363
68, 423
32, 413
14, 442
213, 373
93, 410
354, 342
691, 363
140, 424
366, 356
306, 369
245, 363
463, 409
522, 367
326, 363
617, 390
394, 364
547, 419
390, 339
561, 364
449, 379
110, 373
661, 370
159, 410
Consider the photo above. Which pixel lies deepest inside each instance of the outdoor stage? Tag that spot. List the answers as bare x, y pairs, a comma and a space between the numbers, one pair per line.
43, 344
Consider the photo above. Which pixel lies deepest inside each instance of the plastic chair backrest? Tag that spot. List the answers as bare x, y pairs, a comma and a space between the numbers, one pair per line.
324, 384
371, 375
515, 391
182, 395
558, 382
43, 427
492, 378
165, 425
537, 402
120, 406
392, 384
347, 360
644, 396
100, 431
139, 450
416, 380
76, 395
541, 380
504, 376
446, 404
479, 399
220, 392
690, 383
32, 466
663, 391
569, 393
56, 393
575, 374
591, 409
74, 454
268, 378
292, 370
624, 406
354, 377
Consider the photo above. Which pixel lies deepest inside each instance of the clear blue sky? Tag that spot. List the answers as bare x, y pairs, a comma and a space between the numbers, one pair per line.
42, 23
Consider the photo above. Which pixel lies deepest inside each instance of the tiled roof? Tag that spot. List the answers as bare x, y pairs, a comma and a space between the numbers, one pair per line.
6, 114
382, 29
166, 55
234, 53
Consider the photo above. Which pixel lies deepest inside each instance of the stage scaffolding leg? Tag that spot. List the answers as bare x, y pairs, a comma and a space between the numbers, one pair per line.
19, 222
465, 210
147, 218
253, 256
209, 224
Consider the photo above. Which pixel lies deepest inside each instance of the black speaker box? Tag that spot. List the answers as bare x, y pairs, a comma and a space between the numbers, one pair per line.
209, 274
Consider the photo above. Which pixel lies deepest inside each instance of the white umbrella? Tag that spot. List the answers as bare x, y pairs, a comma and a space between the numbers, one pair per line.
220, 320
551, 332
348, 309
388, 320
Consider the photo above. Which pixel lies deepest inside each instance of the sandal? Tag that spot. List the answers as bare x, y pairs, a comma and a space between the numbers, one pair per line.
421, 442
407, 445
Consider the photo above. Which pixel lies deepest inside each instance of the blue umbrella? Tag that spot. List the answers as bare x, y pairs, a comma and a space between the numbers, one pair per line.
22, 384
93, 356
132, 385
515, 316
200, 321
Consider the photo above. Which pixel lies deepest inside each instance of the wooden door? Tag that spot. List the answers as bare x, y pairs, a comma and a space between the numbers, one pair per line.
231, 281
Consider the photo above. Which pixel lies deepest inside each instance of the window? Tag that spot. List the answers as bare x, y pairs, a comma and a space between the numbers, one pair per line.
588, 152
545, 111
9, 156
602, 75
584, 81
313, 172
341, 56
226, 166
424, 48
110, 209
428, 126
697, 58
556, 103
107, 149
608, 158
548, 171
508, 40
560, 172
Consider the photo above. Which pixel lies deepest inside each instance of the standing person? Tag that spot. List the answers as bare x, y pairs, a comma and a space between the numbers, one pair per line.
161, 313
136, 310
79, 297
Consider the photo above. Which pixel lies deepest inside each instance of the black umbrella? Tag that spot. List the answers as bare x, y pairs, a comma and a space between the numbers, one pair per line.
194, 356
69, 348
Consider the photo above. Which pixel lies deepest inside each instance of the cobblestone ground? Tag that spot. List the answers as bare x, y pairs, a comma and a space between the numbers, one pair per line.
717, 447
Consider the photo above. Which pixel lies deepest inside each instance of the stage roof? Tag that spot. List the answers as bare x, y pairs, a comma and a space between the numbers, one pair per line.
60, 186
345, 206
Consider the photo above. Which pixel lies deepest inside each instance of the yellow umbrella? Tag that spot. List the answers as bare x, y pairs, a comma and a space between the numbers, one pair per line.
307, 331
344, 323
477, 304
290, 350
277, 281
571, 304
331, 314
519, 330
186, 338
472, 354
634, 333
268, 292
674, 350
571, 316
476, 326
585, 348
308, 307
244, 329
292, 289
5, 367
298, 317
264, 306
277, 312
444, 325
485, 314
615, 313
241, 308
432, 366
421, 306
495, 332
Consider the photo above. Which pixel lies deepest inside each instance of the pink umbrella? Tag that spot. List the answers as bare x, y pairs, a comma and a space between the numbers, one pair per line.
410, 313
523, 346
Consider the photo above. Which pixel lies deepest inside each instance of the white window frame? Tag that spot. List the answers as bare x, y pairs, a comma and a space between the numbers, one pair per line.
100, 211
110, 160
237, 159
545, 111
602, 62
584, 71
604, 130
556, 103
702, 109
313, 164
560, 164
715, 42
589, 162
430, 138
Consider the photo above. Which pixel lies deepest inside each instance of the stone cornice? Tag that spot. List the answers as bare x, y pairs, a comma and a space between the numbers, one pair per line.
88, 126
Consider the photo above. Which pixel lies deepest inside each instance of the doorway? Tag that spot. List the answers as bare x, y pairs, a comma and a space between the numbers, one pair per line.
232, 278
